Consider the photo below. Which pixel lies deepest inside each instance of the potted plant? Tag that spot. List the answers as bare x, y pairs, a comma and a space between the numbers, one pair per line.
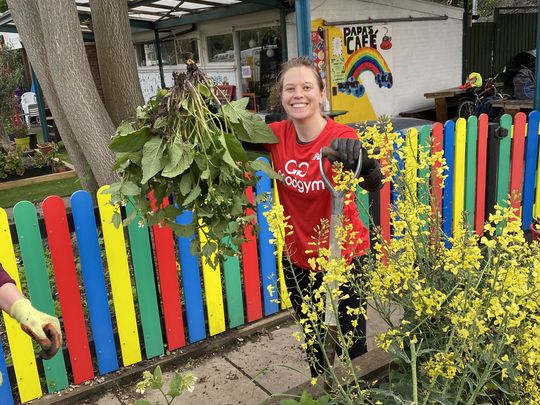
11, 163
22, 139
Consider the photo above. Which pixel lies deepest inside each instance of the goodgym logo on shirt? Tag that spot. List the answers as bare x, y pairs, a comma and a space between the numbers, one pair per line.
294, 174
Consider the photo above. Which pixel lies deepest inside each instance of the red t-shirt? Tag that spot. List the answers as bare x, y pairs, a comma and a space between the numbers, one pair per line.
302, 192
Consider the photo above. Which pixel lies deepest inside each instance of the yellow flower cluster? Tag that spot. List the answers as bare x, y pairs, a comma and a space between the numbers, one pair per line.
441, 365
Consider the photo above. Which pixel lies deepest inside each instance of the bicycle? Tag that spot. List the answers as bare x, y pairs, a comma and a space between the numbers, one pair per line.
481, 103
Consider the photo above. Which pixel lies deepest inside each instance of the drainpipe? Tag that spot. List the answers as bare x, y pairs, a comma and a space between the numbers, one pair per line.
537, 70
157, 44
41, 108
303, 27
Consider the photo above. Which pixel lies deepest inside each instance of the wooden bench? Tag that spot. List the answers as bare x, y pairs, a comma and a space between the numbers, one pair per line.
426, 112
512, 107
444, 99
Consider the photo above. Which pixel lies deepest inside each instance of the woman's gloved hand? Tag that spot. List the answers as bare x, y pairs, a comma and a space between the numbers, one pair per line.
43, 328
349, 150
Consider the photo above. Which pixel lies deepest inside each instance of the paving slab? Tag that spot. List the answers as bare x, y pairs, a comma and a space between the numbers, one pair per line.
275, 361
218, 382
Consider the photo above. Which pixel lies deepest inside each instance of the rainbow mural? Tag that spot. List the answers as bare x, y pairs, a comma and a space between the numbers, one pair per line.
362, 60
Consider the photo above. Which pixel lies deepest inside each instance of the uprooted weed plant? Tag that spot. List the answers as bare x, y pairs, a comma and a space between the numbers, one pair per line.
185, 143
467, 328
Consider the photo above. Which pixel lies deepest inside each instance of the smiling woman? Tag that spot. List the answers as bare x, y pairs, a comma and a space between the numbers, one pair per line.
304, 198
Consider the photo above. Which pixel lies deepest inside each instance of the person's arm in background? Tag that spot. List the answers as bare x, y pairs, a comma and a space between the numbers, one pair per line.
350, 150
43, 328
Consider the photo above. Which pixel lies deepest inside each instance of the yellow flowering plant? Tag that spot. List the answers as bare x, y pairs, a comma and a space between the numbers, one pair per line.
462, 310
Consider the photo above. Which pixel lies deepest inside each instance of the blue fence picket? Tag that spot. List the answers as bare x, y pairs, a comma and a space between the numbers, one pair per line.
531, 158
191, 280
266, 249
6, 396
448, 190
94, 281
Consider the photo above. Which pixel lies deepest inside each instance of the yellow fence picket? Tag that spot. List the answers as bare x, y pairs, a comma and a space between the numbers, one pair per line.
20, 344
459, 171
212, 290
411, 159
117, 262
280, 243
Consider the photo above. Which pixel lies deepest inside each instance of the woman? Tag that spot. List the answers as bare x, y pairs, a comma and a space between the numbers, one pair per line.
303, 195
43, 328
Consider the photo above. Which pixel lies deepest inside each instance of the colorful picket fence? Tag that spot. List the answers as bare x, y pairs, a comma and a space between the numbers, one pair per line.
189, 296
486, 162
190, 299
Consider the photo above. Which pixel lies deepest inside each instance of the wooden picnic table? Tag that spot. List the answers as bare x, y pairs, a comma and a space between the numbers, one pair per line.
512, 106
441, 100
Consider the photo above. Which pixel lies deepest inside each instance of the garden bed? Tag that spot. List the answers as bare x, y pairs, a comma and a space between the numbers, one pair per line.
38, 175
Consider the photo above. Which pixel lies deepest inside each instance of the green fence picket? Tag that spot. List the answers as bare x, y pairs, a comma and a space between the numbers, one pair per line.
233, 287
37, 279
503, 172
141, 256
470, 168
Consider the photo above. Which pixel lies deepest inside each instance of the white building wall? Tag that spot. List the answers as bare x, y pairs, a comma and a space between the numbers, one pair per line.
426, 55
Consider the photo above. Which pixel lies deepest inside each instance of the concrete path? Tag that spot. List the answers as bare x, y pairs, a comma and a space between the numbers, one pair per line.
268, 361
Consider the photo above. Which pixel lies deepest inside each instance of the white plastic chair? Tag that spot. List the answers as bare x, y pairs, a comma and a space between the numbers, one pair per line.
29, 106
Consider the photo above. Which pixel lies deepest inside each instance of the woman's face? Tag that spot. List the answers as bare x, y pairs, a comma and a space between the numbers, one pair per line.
301, 96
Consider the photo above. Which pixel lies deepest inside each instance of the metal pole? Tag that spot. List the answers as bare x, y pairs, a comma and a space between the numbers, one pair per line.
537, 69
41, 108
158, 56
283, 31
465, 43
303, 27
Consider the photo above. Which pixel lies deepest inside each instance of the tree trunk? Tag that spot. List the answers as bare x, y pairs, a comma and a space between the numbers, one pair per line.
27, 19
117, 62
4, 138
70, 73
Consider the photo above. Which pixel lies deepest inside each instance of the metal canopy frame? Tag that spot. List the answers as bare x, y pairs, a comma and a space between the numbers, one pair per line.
163, 15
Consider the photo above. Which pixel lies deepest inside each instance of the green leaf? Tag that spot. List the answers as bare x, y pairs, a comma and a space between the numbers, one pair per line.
185, 184
227, 158
261, 165
235, 148
204, 90
142, 402
130, 188
130, 141
152, 161
158, 377
180, 158
159, 123
234, 109
141, 113
184, 231
174, 385
194, 193
256, 129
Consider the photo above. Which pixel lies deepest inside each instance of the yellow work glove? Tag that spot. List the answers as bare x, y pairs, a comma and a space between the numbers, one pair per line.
43, 328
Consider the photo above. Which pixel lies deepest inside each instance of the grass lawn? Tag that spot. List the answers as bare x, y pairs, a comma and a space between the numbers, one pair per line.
37, 192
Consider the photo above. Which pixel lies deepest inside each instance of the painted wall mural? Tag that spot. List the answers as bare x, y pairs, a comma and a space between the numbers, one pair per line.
359, 74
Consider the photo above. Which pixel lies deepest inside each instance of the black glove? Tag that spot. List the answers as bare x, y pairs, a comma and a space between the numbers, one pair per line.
349, 150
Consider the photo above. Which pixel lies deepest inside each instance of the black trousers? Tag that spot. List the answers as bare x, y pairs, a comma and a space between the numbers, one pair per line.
299, 284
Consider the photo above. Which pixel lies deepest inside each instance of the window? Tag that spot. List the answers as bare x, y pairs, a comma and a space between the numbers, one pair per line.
187, 49
260, 52
220, 48
173, 52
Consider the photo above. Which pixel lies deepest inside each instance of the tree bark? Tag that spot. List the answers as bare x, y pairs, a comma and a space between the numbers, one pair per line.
4, 138
27, 19
116, 57
70, 73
